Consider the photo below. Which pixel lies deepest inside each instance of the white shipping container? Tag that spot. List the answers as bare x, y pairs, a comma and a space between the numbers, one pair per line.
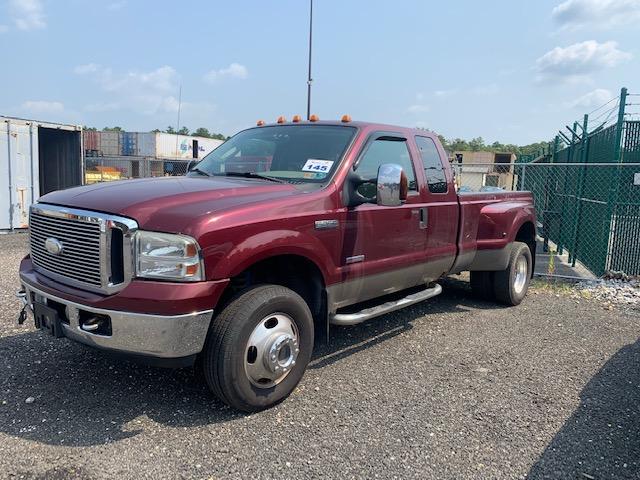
31, 151
147, 144
182, 146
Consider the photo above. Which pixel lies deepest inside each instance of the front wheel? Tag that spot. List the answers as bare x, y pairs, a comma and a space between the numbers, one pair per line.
258, 347
511, 284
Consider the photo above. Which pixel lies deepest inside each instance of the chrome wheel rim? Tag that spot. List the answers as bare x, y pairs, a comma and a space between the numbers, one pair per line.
272, 350
522, 273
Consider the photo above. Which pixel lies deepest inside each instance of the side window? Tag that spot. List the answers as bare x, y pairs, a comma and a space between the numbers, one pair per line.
433, 169
386, 150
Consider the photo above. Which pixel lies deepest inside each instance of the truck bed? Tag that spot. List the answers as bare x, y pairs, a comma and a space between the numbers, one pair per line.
488, 223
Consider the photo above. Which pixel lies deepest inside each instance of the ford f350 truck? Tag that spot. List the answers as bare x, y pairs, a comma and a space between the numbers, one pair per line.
278, 233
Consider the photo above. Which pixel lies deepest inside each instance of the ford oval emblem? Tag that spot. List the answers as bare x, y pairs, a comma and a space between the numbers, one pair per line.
53, 246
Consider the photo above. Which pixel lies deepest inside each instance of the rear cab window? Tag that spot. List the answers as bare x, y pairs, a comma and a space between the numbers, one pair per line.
433, 167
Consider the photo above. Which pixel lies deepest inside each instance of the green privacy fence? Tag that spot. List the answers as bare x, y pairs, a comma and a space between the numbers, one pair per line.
587, 190
586, 187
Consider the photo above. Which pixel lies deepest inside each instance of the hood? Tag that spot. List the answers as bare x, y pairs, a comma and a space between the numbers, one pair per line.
169, 203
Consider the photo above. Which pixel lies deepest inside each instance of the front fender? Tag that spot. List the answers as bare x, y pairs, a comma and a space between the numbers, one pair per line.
224, 262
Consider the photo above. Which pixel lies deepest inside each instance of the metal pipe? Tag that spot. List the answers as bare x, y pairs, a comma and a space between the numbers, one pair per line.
309, 79
10, 177
576, 227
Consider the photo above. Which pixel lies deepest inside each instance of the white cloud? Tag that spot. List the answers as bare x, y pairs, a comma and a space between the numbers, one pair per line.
418, 108
27, 14
143, 92
593, 99
88, 68
148, 93
573, 14
116, 5
235, 70
4, 28
444, 93
42, 106
577, 61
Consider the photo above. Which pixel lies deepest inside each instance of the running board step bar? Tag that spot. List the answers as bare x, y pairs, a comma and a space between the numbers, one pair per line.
371, 312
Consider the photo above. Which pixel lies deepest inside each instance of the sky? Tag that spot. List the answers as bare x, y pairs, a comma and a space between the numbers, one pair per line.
509, 71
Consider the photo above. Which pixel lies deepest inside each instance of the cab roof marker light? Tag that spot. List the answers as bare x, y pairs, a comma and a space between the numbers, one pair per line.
296, 119
345, 118
314, 118
281, 119
260, 123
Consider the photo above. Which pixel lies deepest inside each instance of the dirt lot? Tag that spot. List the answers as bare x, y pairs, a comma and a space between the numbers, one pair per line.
452, 388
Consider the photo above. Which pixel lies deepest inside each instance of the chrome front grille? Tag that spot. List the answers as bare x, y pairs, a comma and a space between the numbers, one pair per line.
80, 256
89, 250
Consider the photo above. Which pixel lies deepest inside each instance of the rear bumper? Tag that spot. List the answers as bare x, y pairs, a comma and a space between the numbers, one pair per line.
139, 334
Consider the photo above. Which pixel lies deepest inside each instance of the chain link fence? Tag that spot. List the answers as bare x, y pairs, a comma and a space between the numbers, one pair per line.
110, 168
589, 212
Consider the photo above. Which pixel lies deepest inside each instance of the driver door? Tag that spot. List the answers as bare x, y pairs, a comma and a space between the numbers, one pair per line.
383, 247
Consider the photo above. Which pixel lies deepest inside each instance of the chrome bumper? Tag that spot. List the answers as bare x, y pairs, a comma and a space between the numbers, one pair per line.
158, 336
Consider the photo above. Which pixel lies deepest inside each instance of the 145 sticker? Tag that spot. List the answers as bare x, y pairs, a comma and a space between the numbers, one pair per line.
319, 166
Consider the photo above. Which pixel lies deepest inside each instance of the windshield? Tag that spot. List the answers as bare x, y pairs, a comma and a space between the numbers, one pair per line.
292, 153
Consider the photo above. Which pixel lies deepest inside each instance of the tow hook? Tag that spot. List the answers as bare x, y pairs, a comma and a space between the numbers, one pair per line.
22, 316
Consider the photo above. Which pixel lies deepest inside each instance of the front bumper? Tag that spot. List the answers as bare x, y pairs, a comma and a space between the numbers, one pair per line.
148, 335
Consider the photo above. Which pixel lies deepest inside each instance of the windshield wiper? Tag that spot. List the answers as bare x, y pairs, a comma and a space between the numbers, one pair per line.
201, 172
253, 175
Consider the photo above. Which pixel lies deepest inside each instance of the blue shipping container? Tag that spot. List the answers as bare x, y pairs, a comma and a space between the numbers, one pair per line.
129, 143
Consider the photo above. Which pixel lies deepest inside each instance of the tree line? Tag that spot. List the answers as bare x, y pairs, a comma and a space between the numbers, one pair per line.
198, 132
478, 145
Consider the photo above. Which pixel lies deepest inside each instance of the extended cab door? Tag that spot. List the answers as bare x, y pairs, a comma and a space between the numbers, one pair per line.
442, 211
383, 247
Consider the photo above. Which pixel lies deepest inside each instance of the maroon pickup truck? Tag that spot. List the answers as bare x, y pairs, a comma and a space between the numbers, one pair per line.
281, 231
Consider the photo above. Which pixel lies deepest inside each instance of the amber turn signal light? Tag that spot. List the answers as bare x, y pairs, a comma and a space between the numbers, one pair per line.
345, 118
296, 118
281, 119
313, 118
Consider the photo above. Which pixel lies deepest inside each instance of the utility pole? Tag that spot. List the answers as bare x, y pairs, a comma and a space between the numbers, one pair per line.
309, 79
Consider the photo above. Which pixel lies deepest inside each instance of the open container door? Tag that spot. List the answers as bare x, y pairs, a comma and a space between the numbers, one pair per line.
60, 158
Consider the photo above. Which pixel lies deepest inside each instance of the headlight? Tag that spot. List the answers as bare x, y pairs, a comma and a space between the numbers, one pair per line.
167, 256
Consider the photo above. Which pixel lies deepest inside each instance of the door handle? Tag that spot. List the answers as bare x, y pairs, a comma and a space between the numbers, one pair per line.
424, 218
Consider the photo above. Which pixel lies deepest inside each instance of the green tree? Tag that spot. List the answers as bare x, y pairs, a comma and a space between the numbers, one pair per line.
476, 144
91, 129
183, 131
170, 129
202, 132
112, 129
219, 136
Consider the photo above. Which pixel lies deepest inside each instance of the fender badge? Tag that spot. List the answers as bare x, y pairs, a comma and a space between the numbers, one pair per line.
326, 224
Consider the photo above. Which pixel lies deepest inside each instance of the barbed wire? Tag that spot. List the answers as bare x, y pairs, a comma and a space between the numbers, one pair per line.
603, 105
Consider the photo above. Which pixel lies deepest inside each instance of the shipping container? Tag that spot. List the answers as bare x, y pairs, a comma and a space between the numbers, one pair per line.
91, 140
37, 158
129, 143
169, 145
147, 144
110, 143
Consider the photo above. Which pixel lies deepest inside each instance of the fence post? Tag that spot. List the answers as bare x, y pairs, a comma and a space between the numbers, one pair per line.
583, 159
615, 178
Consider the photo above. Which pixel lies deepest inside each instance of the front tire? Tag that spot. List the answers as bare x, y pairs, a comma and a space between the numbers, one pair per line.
512, 283
258, 347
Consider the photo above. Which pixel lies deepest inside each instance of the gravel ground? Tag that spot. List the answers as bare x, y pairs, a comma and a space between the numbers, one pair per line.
452, 388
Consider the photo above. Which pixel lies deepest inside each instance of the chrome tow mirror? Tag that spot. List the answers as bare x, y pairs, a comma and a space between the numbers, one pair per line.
391, 185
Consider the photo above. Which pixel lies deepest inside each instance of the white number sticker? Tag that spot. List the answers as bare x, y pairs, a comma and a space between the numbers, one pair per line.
320, 166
